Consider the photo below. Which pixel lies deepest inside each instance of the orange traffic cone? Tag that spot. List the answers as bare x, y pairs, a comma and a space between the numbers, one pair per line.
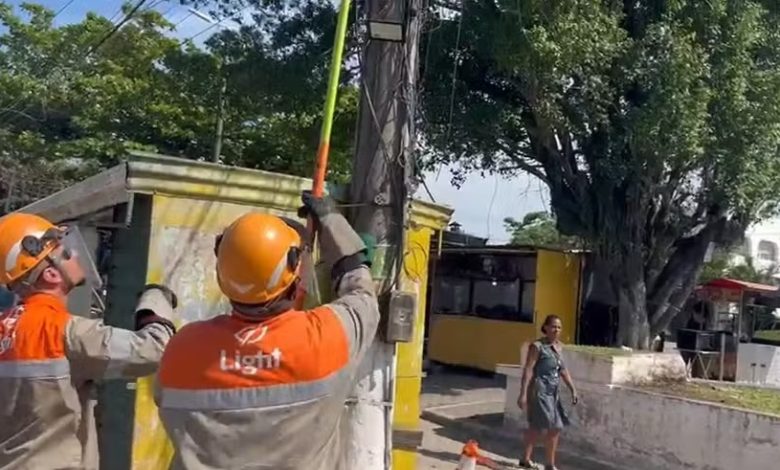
469, 456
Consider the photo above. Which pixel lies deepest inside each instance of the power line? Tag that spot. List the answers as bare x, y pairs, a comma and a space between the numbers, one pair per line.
113, 31
62, 8
100, 42
455, 68
12, 109
455, 59
214, 25
186, 17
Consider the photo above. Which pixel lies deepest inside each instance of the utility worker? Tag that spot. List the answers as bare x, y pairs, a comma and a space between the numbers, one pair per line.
49, 358
265, 386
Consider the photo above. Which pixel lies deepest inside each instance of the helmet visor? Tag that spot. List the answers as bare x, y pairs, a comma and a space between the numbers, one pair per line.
76, 246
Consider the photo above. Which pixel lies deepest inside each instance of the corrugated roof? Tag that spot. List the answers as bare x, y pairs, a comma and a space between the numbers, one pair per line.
149, 173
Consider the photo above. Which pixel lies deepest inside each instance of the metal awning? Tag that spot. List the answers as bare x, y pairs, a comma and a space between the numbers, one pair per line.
735, 284
153, 174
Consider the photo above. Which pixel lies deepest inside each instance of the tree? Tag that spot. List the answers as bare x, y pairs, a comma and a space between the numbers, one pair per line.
655, 125
538, 229
722, 264
69, 108
277, 71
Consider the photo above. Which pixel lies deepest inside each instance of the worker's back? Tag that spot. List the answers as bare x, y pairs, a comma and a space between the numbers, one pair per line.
236, 393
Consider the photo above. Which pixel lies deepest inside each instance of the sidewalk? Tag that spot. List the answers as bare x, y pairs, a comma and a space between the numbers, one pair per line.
458, 407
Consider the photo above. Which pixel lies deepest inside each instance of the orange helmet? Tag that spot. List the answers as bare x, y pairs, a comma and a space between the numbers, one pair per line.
258, 258
16, 258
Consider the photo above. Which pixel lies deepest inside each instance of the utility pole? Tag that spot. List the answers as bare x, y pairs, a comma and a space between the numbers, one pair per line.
220, 119
380, 191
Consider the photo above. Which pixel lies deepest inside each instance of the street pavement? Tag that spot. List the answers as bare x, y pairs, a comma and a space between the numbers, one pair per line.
458, 406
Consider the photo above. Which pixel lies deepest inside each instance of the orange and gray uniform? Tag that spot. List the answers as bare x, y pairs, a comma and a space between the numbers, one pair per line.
269, 393
48, 359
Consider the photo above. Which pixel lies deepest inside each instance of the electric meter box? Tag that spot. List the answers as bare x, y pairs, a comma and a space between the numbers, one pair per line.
400, 321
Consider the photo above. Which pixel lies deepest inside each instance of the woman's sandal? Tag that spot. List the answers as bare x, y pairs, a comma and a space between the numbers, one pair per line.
530, 464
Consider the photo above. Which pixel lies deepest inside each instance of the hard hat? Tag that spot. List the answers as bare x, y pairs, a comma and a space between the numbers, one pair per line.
258, 258
23, 245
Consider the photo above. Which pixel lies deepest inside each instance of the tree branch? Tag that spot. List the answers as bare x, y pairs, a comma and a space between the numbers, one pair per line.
689, 253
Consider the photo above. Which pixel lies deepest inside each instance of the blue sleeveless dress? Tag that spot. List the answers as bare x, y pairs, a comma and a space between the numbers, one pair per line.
545, 410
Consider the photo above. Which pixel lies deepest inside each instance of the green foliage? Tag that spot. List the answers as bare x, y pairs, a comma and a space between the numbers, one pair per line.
65, 114
722, 265
655, 125
538, 229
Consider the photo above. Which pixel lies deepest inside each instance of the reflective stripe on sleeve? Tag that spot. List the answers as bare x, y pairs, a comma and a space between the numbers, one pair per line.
243, 398
39, 369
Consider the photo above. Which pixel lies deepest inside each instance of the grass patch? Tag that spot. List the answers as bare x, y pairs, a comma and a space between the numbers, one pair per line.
598, 351
750, 398
769, 335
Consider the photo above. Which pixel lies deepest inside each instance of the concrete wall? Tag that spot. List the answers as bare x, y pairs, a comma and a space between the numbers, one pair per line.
633, 368
646, 431
627, 369
759, 364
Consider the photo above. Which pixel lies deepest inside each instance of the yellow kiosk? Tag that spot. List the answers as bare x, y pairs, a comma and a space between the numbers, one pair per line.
486, 301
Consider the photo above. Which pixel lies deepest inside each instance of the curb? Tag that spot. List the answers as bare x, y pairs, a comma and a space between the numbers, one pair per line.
482, 432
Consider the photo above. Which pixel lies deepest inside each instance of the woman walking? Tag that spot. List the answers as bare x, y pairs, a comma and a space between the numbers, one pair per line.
540, 393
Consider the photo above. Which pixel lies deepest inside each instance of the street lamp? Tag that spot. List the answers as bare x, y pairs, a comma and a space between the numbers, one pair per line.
388, 24
386, 30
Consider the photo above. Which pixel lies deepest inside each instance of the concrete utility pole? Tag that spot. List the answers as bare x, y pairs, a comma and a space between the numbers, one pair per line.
380, 191
220, 119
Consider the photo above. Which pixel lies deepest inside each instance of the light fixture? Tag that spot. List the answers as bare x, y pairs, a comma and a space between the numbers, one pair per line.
388, 22
384, 30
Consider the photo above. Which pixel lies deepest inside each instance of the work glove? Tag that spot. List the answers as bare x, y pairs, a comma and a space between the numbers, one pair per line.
169, 295
156, 305
341, 248
316, 207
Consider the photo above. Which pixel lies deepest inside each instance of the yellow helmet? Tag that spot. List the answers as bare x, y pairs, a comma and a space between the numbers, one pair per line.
258, 258
25, 241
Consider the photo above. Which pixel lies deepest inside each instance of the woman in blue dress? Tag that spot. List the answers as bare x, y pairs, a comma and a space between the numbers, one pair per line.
540, 396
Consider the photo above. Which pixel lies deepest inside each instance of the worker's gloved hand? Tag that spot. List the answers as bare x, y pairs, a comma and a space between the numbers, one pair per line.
169, 295
156, 305
316, 207
340, 247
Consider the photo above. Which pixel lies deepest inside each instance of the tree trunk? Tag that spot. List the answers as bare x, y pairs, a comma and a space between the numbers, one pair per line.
628, 281
633, 327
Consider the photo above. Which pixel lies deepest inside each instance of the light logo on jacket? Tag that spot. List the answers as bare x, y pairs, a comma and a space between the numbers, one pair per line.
251, 334
250, 364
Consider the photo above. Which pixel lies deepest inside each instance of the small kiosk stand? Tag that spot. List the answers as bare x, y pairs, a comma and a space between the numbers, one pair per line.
733, 308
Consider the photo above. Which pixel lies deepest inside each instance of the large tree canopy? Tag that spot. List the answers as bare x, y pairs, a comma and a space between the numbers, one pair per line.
655, 125
69, 108
538, 229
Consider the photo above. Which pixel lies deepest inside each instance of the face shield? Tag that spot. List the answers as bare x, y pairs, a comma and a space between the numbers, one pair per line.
71, 255
76, 250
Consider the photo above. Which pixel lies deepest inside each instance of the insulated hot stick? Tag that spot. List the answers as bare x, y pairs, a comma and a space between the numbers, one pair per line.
321, 164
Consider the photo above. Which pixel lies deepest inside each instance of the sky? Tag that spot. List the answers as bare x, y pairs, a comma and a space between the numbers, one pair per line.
481, 204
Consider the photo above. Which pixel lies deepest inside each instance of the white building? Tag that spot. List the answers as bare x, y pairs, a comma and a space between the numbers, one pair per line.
762, 245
